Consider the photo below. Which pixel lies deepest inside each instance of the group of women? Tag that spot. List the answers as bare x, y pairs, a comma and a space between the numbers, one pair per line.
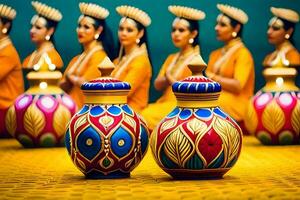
232, 65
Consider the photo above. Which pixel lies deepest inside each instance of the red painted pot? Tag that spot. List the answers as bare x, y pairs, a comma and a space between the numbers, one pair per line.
197, 139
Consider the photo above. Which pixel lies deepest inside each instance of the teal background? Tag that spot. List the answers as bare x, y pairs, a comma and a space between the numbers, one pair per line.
161, 46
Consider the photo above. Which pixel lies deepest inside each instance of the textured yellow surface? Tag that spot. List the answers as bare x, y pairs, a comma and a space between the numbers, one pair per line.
262, 172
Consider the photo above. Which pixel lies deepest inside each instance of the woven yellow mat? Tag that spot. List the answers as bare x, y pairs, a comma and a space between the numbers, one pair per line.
262, 172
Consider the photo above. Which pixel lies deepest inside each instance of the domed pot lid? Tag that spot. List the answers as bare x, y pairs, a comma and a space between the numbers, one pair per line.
197, 90
105, 90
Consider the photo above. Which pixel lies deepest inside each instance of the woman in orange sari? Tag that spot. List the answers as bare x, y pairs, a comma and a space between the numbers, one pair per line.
185, 31
134, 65
232, 65
11, 78
44, 24
280, 34
97, 43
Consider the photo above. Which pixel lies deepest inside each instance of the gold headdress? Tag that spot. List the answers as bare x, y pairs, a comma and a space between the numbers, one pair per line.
93, 10
186, 12
134, 13
286, 14
235, 13
46, 11
7, 12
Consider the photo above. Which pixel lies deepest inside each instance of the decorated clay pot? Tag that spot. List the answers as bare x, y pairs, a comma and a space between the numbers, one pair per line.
197, 139
106, 138
38, 118
274, 112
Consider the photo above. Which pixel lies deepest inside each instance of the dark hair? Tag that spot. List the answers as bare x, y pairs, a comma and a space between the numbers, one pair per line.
4, 21
234, 23
144, 39
106, 37
194, 26
286, 26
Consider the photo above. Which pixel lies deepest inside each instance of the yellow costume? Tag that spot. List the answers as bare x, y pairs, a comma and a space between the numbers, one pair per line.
234, 61
33, 58
287, 53
44, 12
177, 66
86, 67
11, 78
135, 67
136, 70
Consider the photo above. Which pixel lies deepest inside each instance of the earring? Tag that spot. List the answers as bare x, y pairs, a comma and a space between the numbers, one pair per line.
287, 36
191, 40
96, 36
137, 40
47, 37
4, 30
234, 34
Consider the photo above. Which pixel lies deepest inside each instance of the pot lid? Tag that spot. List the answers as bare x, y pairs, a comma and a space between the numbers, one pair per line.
197, 83
105, 82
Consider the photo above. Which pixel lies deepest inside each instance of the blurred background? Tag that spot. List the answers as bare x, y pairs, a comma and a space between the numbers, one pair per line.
254, 34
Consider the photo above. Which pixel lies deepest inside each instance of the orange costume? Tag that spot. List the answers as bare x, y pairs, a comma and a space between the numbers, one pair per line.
44, 13
86, 67
33, 58
136, 70
176, 65
287, 53
11, 78
234, 61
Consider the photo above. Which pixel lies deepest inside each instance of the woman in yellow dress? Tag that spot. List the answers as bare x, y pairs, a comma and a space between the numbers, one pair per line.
232, 65
280, 34
97, 43
11, 78
185, 31
133, 64
44, 24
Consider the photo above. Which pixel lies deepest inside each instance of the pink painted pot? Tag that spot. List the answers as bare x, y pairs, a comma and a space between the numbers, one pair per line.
274, 112
39, 117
